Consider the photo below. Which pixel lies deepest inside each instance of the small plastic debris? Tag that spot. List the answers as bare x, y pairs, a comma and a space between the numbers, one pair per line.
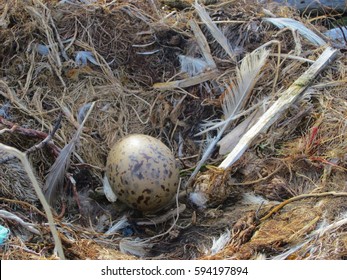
4, 233
4, 111
82, 112
338, 34
42, 49
83, 56
193, 66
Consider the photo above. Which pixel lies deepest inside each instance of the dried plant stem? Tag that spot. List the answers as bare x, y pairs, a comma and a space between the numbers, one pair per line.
283, 103
24, 204
10, 216
26, 164
47, 138
188, 82
302, 196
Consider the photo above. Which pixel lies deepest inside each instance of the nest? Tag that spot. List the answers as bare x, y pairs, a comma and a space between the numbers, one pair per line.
283, 198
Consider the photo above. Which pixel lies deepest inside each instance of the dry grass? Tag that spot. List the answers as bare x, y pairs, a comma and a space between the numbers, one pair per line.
136, 45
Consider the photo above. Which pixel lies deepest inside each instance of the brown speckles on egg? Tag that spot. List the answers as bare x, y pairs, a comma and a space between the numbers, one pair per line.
146, 169
140, 198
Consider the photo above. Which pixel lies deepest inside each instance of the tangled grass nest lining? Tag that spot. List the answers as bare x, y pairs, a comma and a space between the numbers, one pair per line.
58, 58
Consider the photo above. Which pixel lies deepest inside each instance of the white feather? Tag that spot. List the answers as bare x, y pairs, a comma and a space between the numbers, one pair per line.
199, 199
237, 95
215, 31
191, 65
219, 244
136, 247
236, 98
302, 29
110, 195
122, 223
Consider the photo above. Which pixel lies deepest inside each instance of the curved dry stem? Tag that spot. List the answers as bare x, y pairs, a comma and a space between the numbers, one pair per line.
26, 164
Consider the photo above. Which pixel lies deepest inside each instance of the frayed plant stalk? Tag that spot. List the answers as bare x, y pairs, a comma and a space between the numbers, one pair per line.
285, 100
26, 164
323, 229
55, 178
216, 178
191, 81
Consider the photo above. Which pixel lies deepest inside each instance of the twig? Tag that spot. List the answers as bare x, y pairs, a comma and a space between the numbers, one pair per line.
34, 133
302, 196
192, 81
258, 180
163, 218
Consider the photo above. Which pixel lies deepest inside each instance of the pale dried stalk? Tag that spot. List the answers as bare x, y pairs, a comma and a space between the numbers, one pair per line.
192, 81
283, 103
26, 164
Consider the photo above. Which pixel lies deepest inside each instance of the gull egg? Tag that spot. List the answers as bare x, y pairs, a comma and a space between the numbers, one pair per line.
142, 172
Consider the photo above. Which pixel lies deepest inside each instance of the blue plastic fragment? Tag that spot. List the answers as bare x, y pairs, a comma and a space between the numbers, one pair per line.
127, 231
4, 233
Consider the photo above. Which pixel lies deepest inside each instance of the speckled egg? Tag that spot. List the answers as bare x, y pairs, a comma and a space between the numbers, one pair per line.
142, 172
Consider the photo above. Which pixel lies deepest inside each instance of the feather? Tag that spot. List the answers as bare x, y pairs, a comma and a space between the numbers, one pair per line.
219, 244
238, 93
215, 31
122, 223
235, 99
229, 141
55, 177
302, 29
135, 247
82, 57
199, 199
192, 66
110, 195
82, 112
251, 199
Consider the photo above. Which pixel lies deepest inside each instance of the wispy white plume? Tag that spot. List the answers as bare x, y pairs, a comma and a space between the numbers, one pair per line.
199, 199
191, 65
220, 243
55, 177
302, 29
215, 31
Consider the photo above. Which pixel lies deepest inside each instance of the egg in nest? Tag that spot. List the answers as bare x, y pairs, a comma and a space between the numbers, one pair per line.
142, 172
